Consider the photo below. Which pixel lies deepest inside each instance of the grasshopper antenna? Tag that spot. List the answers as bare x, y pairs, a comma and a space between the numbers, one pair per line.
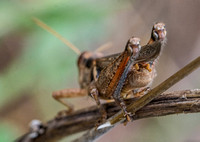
65, 41
104, 47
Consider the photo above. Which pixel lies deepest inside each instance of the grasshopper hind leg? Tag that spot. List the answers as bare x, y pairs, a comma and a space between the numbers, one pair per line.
68, 93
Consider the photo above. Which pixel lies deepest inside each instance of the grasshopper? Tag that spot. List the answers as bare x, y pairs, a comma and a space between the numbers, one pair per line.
119, 78
114, 76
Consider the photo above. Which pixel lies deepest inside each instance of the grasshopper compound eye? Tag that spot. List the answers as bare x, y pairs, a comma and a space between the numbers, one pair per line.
85, 59
159, 31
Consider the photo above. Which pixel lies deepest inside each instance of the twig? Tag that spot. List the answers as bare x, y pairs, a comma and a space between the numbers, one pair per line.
186, 101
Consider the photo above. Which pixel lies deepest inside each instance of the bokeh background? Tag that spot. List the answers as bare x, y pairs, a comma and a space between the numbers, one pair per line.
33, 63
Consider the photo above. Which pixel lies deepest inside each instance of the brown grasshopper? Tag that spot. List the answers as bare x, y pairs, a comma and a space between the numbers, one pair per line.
92, 71
121, 77
146, 57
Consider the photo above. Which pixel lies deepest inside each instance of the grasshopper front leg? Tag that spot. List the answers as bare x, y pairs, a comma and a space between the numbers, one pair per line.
95, 95
133, 48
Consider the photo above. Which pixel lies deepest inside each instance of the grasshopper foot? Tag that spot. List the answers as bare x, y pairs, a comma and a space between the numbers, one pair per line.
141, 92
129, 117
137, 67
63, 113
148, 67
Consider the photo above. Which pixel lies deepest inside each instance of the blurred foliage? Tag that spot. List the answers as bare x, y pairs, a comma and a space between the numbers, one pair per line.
8, 132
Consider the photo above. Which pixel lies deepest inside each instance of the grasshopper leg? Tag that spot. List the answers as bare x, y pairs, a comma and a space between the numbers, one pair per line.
119, 100
68, 93
95, 95
141, 92
147, 66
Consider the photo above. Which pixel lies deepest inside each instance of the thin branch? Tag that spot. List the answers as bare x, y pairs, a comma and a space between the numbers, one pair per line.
187, 101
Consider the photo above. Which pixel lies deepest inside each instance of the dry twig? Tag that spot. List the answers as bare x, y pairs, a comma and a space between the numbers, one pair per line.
186, 101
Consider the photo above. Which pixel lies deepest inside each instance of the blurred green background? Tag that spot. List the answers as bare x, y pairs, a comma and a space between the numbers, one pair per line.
33, 63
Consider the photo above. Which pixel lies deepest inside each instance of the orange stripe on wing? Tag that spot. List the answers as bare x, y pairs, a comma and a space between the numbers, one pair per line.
117, 76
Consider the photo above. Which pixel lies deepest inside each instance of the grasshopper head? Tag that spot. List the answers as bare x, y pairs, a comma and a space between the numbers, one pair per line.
158, 32
85, 67
85, 59
133, 46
